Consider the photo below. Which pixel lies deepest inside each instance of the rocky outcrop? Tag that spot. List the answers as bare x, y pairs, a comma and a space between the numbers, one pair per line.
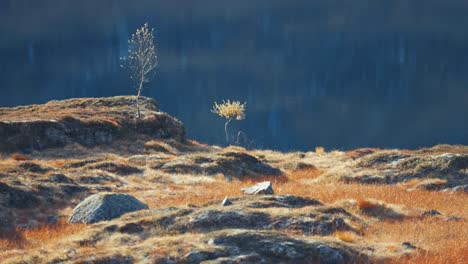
245, 213
230, 164
86, 121
433, 171
294, 230
105, 206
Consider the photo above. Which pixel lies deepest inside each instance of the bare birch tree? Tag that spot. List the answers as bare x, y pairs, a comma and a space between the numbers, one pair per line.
141, 60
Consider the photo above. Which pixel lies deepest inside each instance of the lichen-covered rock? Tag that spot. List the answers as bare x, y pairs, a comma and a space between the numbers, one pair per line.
104, 207
260, 188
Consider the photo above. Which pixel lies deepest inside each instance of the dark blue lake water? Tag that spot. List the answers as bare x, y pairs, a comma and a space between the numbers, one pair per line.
335, 73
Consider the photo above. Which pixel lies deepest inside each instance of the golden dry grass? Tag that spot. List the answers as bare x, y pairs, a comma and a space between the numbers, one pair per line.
345, 236
442, 240
113, 110
41, 237
446, 242
357, 153
308, 173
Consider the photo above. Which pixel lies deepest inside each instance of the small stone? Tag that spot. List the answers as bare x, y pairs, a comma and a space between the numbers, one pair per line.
70, 251
226, 202
452, 218
408, 245
260, 188
431, 213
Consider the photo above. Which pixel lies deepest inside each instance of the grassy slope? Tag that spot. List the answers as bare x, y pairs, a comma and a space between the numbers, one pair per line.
442, 241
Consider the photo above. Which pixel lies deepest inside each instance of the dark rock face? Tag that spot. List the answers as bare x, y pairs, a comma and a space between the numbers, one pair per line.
7, 220
97, 179
105, 206
16, 198
33, 167
86, 121
228, 219
60, 178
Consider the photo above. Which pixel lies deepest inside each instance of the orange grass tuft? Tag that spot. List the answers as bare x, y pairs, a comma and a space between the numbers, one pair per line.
441, 242
357, 153
19, 157
345, 236
58, 163
364, 204
38, 237
308, 173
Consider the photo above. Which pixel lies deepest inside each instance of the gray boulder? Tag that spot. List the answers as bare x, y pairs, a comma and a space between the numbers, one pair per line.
104, 207
260, 188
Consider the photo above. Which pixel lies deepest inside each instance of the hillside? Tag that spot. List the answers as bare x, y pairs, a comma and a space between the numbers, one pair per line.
361, 206
86, 121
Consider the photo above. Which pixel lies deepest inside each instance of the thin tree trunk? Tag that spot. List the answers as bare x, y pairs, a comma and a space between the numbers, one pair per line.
138, 103
225, 129
138, 96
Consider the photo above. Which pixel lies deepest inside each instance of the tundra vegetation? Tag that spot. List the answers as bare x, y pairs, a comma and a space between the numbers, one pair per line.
230, 111
360, 206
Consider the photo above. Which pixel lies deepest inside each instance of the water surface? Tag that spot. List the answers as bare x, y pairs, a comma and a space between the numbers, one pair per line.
340, 74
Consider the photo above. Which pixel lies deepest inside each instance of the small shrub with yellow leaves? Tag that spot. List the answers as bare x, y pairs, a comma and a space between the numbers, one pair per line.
345, 236
229, 110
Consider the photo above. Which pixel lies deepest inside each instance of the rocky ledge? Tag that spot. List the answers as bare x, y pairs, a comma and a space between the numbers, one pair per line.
86, 121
